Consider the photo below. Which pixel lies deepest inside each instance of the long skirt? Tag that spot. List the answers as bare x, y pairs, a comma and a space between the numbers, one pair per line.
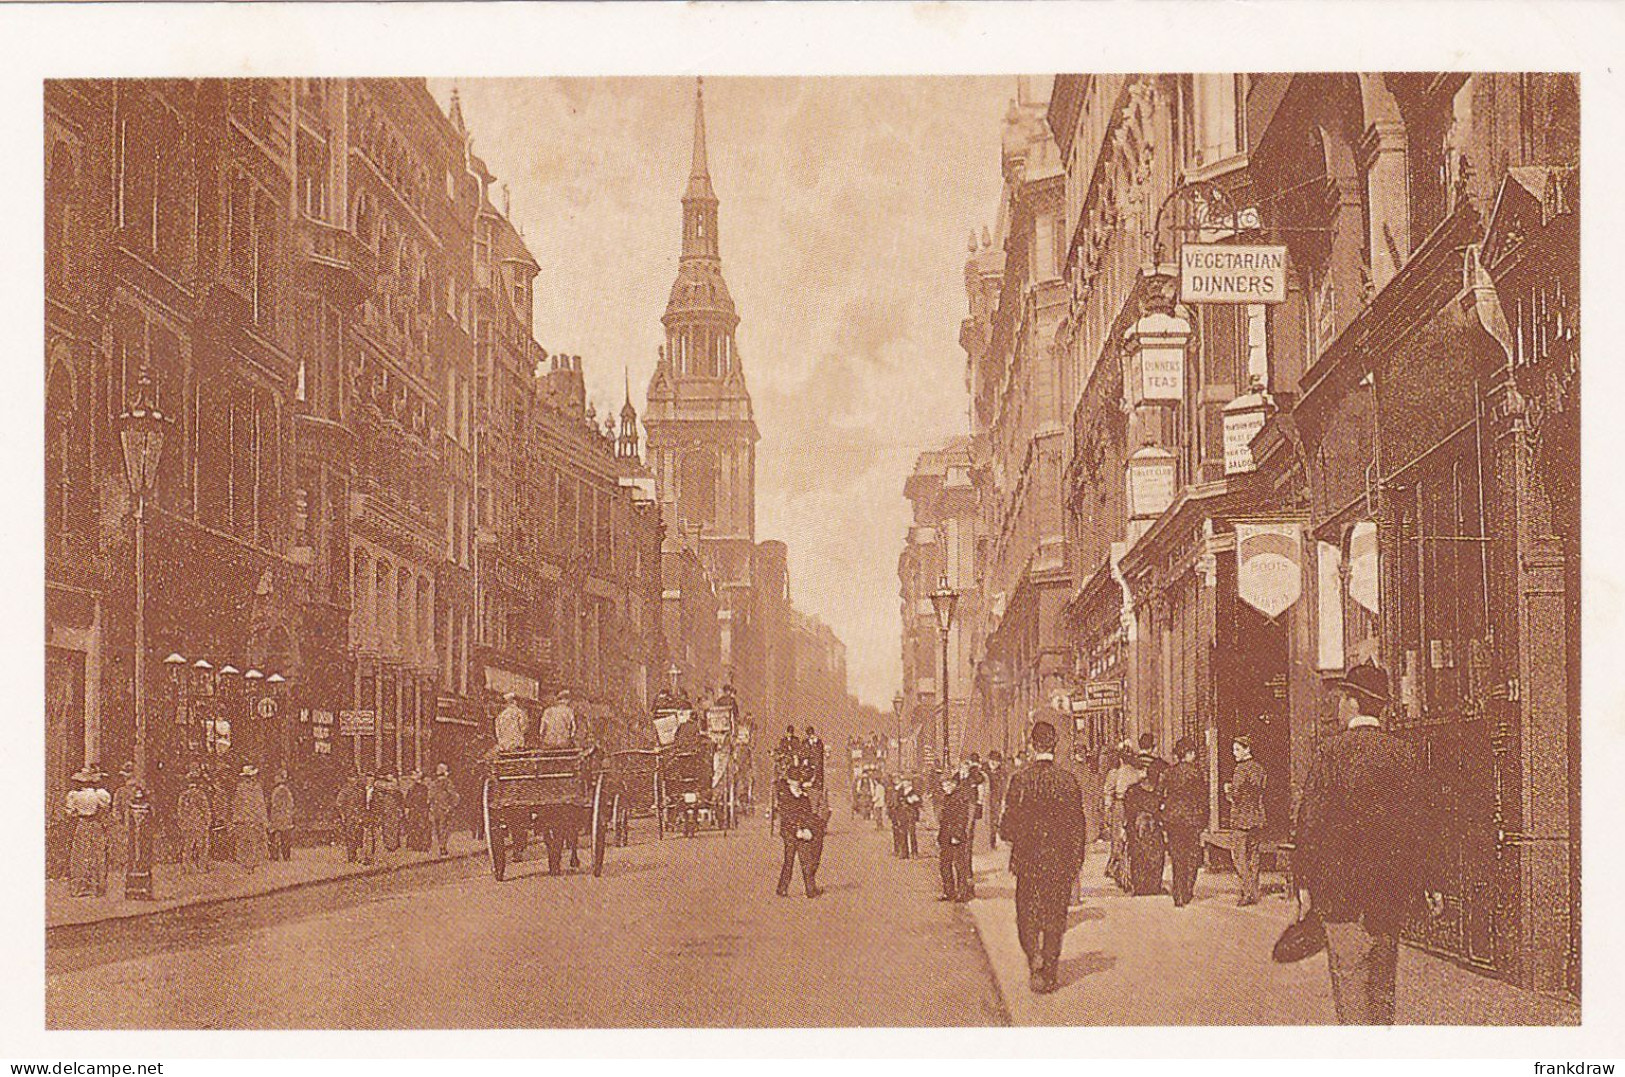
248, 841
417, 830
1146, 854
1117, 860
87, 863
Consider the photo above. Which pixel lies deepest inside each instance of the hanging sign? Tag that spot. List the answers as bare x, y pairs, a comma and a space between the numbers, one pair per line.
1231, 273
1269, 566
1363, 565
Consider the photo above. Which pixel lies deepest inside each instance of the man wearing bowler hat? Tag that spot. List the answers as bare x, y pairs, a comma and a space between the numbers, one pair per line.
1359, 848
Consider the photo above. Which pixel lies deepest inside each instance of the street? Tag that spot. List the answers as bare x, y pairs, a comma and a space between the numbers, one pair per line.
675, 933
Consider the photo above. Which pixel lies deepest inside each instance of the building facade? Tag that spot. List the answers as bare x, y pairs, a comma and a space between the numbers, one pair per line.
368, 500
940, 549
1375, 463
1018, 444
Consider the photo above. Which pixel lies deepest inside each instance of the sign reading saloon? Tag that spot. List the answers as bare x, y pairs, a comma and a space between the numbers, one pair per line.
1269, 566
1226, 273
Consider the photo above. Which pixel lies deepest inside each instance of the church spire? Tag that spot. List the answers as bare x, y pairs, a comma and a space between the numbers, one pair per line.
699, 173
457, 112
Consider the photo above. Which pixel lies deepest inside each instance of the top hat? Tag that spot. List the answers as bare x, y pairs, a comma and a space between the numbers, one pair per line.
1367, 681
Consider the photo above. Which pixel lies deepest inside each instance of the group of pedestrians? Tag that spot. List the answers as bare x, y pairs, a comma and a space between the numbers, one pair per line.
1361, 863
378, 814
240, 821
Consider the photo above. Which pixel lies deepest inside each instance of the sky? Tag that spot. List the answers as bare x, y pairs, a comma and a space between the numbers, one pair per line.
846, 206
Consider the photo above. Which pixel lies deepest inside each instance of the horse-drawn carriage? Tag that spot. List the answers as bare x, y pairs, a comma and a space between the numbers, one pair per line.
697, 769
560, 793
639, 793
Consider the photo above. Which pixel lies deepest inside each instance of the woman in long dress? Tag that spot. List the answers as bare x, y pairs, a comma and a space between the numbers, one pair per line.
89, 807
417, 815
1147, 851
250, 820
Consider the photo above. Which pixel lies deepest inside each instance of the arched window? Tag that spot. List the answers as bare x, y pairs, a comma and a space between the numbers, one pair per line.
385, 603
59, 447
362, 624
59, 196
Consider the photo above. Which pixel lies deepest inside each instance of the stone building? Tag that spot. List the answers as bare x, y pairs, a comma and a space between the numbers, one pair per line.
1374, 463
313, 277
1018, 425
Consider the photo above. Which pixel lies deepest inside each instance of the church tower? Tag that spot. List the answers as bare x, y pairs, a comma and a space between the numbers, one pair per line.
701, 430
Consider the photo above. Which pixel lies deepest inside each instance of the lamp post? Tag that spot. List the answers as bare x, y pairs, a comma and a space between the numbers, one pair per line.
897, 709
274, 685
141, 428
943, 601
674, 672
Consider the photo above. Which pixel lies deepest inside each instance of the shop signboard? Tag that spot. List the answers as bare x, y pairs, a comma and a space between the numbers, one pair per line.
1232, 273
1269, 566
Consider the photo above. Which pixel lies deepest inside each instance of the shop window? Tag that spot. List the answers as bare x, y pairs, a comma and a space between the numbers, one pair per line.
1441, 620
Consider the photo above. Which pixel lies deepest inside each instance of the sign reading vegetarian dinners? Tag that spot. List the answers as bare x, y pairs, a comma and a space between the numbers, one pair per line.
1215, 273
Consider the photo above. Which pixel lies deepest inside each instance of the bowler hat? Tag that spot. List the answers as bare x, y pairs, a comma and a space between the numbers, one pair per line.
249, 770
127, 770
442, 770
1367, 680
1302, 938
87, 775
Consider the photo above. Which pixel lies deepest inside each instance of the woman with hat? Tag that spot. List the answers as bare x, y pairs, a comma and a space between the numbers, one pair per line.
1122, 776
281, 818
193, 819
88, 806
1142, 815
250, 819
118, 824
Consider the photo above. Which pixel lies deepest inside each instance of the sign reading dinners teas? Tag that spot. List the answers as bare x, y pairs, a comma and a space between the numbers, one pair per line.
1227, 273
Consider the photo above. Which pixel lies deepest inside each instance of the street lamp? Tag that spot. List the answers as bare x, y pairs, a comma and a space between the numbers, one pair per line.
897, 709
943, 601
141, 429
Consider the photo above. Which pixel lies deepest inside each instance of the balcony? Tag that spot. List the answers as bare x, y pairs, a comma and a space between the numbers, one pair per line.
335, 262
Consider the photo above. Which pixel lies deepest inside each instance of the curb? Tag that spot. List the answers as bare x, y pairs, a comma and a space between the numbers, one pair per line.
224, 899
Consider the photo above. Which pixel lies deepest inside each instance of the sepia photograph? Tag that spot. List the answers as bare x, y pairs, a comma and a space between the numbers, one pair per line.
1068, 547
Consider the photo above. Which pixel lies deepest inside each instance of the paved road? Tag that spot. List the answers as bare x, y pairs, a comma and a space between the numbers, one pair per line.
681, 933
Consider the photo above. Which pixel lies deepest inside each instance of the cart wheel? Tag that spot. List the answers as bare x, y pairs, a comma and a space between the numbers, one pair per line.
496, 834
600, 826
660, 809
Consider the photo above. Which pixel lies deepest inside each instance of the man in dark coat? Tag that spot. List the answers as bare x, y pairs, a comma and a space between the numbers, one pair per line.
1043, 822
954, 839
796, 829
1184, 817
998, 776
1360, 849
812, 755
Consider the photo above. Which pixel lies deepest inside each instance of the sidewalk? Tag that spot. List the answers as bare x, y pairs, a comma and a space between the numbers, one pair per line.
226, 881
1140, 961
